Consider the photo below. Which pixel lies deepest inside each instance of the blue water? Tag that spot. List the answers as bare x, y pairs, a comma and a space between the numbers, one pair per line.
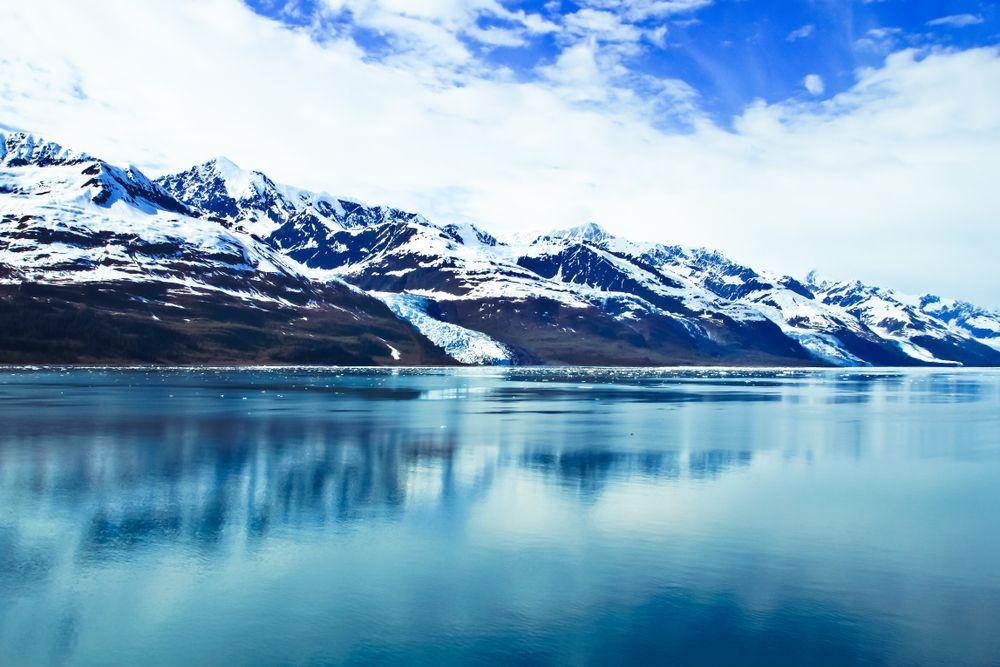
555, 516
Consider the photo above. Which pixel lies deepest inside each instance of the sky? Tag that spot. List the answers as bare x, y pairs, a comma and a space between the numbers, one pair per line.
860, 138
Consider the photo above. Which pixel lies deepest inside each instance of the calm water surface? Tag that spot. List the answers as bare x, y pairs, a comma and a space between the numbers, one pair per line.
266, 517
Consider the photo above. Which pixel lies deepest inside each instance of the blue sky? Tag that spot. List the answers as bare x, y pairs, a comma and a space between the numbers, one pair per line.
859, 138
730, 52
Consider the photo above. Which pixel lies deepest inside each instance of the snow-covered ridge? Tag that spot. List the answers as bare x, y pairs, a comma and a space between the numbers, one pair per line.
590, 231
902, 319
980, 323
250, 199
19, 149
68, 217
396, 252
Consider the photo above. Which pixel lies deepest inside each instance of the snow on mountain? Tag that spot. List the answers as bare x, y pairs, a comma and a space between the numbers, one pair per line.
20, 149
278, 213
897, 318
85, 241
381, 249
68, 217
830, 334
706, 281
826, 327
980, 323
577, 295
701, 296
590, 232
464, 345
452, 263
375, 248
583, 258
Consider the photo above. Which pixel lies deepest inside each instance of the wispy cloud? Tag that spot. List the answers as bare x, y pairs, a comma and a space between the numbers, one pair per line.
879, 40
644, 9
956, 21
801, 33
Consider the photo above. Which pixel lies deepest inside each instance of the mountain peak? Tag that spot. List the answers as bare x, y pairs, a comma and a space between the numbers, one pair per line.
816, 281
239, 182
590, 231
19, 149
223, 165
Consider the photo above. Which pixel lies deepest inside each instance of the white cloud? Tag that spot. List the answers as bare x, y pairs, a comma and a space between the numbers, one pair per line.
495, 36
658, 36
638, 10
801, 33
957, 20
602, 25
883, 33
429, 30
577, 75
814, 84
890, 181
879, 40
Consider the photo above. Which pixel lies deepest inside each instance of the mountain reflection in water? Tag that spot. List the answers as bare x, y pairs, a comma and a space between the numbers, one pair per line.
308, 515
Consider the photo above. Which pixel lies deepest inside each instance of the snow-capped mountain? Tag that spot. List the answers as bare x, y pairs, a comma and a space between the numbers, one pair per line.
279, 273
561, 298
828, 333
980, 323
918, 332
97, 262
281, 214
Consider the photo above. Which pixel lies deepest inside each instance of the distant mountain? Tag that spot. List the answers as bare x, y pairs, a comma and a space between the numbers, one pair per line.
980, 323
918, 332
217, 263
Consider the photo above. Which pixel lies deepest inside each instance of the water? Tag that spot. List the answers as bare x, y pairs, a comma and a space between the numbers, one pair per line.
555, 516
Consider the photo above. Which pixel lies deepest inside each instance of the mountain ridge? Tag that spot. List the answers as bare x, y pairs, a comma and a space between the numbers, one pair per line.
98, 264
572, 296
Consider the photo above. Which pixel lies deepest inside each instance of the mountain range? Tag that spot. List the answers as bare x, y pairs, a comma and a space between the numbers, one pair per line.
217, 264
